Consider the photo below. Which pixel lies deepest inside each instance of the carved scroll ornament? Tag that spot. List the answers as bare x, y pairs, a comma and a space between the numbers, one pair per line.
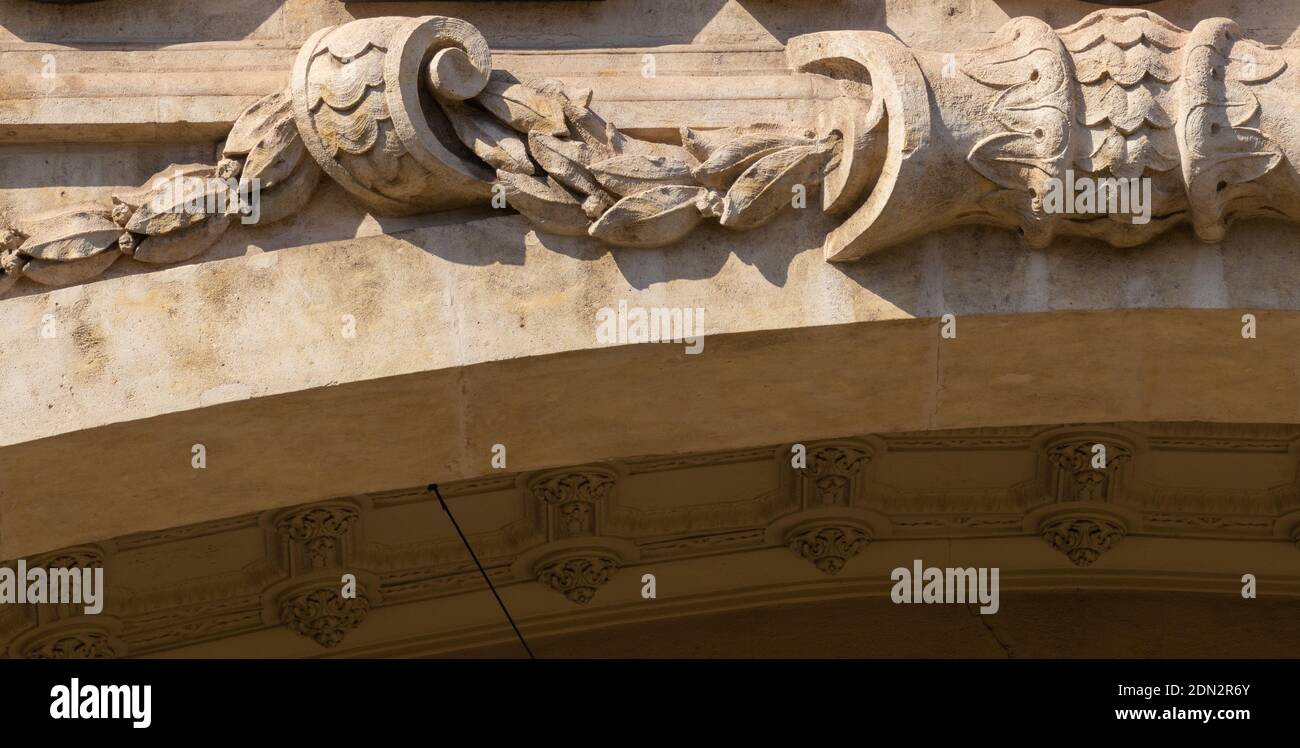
409, 117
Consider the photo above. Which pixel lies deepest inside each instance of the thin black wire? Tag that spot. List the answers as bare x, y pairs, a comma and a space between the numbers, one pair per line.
434, 487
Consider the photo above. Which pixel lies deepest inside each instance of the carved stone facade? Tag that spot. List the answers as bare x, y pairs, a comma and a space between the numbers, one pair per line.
599, 528
262, 266
575, 502
389, 106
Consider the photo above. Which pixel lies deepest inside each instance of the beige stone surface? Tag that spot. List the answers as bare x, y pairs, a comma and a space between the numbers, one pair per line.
345, 355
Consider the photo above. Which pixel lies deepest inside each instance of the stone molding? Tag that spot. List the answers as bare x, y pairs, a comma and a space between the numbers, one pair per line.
78, 638
275, 589
388, 106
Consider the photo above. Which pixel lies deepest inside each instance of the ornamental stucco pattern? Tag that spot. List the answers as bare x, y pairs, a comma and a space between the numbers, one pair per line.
582, 536
409, 116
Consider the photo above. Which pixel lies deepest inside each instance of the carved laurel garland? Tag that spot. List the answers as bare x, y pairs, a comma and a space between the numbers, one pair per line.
355, 111
408, 116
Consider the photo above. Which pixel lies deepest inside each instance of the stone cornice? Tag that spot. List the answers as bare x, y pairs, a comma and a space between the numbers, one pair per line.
286, 574
207, 85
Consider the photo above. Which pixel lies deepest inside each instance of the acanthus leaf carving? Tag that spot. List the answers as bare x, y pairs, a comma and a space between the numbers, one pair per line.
1086, 469
79, 645
573, 499
318, 529
323, 614
830, 472
579, 577
1083, 538
829, 548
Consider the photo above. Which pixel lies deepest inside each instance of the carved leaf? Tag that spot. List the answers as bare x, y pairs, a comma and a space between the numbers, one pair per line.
566, 161
61, 273
254, 122
760, 193
177, 206
658, 216
1252, 155
490, 140
544, 202
628, 175
552, 87
276, 155
134, 198
694, 144
182, 245
731, 160
603, 138
82, 232
291, 195
702, 143
523, 108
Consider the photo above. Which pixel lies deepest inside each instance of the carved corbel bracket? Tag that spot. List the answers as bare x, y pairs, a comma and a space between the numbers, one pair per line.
831, 473
76, 557
575, 499
77, 638
576, 561
576, 567
828, 537
316, 608
316, 534
1081, 531
1086, 466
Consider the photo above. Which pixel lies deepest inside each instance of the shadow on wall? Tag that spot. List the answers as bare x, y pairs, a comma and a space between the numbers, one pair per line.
138, 22
962, 270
